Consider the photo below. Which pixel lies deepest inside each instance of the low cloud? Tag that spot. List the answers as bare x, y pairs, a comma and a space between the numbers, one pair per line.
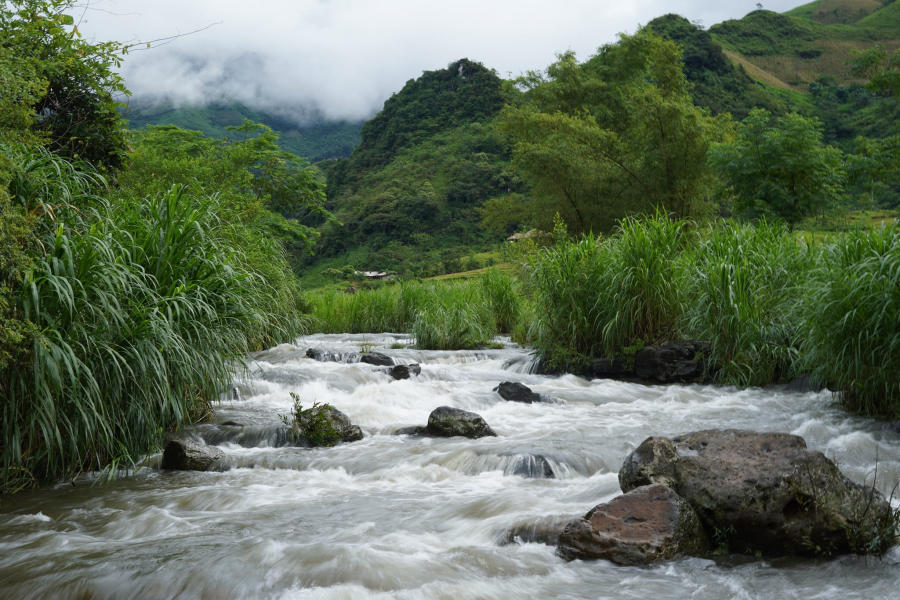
342, 58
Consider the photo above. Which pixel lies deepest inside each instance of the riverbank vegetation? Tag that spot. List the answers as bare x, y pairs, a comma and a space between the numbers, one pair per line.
138, 268
136, 271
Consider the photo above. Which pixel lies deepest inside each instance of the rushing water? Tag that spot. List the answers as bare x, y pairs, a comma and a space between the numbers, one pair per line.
405, 517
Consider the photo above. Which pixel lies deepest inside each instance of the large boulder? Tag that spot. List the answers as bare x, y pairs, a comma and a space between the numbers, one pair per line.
765, 493
646, 525
446, 421
181, 454
514, 391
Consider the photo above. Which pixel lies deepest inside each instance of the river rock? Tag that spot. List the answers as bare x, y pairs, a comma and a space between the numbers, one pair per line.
325, 356
514, 391
610, 368
765, 493
671, 363
646, 525
347, 431
182, 454
533, 466
376, 358
446, 421
404, 371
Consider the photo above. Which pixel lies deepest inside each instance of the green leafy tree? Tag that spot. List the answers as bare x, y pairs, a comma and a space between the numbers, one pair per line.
616, 135
779, 167
76, 109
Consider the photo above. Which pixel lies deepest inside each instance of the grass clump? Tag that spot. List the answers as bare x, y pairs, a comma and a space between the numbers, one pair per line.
852, 321
597, 297
313, 424
743, 286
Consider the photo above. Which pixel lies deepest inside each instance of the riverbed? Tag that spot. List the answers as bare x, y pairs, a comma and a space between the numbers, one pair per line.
407, 517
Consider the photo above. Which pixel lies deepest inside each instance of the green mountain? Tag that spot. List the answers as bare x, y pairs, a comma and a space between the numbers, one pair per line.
717, 83
316, 141
409, 196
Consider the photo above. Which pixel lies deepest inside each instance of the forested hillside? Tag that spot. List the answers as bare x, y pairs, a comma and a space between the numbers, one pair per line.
318, 140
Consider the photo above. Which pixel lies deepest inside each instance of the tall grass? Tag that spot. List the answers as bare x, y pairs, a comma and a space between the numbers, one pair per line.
597, 297
852, 321
137, 315
441, 315
744, 286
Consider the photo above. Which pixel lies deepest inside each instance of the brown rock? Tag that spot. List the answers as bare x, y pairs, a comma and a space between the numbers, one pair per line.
766, 493
647, 524
187, 455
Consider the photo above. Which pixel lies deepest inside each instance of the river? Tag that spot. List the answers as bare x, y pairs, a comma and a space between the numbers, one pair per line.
405, 517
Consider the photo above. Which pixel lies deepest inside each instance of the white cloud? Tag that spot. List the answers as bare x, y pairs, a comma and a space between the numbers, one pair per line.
345, 57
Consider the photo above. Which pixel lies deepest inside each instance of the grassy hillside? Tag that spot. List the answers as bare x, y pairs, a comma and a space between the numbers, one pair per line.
317, 141
813, 40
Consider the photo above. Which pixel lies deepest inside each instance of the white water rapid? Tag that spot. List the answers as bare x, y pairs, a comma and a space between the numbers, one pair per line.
407, 517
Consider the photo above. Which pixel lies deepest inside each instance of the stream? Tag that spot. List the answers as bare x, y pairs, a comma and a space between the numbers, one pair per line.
395, 516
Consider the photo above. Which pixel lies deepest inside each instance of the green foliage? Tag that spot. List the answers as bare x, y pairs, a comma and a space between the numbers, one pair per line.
852, 337
742, 289
73, 80
779, 167
595, 297
312, 424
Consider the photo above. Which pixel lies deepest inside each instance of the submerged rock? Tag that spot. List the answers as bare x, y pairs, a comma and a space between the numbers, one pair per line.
446, 421
404, 371
514, 391
376, 358
765, 493
646, 525
181, 454
545, 530
411, 430
533, 466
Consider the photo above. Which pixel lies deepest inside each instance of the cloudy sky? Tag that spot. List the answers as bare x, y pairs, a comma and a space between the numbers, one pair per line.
345, 57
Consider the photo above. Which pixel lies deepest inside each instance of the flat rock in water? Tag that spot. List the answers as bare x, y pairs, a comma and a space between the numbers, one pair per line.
765, 492
514, 391
646, 525
446, 421
187, 455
